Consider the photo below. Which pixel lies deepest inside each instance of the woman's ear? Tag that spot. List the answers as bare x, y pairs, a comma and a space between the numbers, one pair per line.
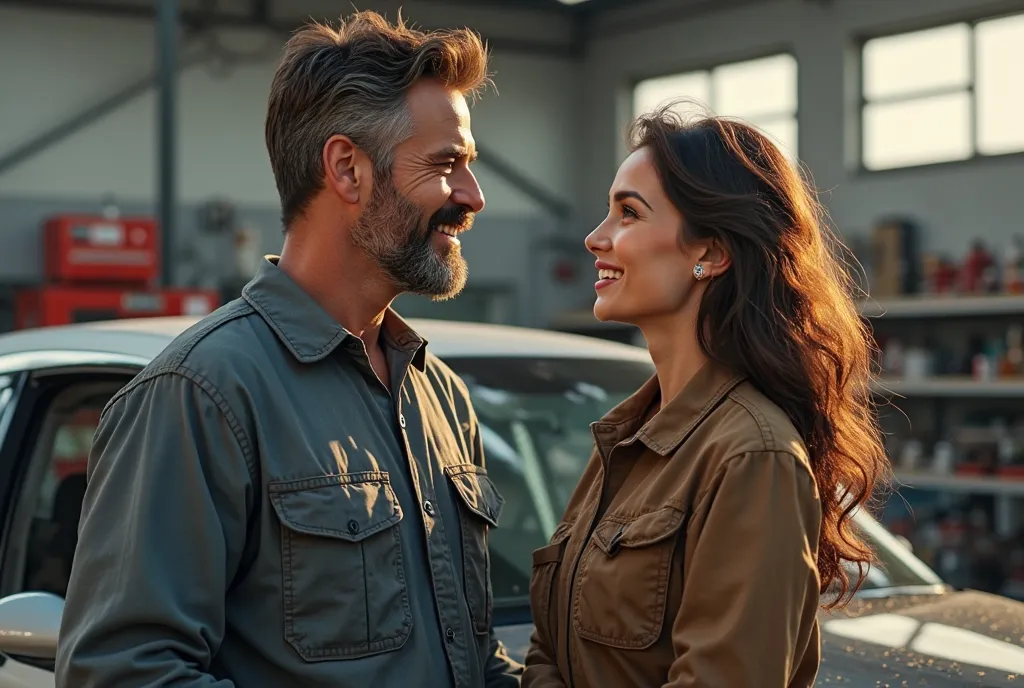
714, 259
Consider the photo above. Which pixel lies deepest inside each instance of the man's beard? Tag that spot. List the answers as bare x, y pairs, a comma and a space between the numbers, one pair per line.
389, 233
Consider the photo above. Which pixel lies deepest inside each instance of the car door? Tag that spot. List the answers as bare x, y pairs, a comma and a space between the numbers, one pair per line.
49, 409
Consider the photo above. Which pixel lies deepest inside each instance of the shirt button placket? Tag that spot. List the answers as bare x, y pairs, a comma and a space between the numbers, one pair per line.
442, 572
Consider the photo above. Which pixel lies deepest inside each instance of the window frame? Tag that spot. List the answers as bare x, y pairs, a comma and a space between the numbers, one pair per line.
709, 66
972, 21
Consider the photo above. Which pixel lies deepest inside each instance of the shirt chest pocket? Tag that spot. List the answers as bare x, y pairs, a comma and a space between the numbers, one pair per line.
480, 507
622, 584
345, 594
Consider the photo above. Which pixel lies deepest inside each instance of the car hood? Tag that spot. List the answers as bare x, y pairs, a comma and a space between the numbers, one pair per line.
942, 640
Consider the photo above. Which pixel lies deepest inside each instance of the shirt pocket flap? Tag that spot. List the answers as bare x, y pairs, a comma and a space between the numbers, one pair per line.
642, 531
553, 551
350, 506
477, 491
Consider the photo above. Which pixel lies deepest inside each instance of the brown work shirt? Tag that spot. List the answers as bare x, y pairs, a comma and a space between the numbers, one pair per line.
687, 554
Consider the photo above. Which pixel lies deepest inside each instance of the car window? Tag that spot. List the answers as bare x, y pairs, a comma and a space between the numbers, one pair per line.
897, 566
535, 417
55, 485
6, 392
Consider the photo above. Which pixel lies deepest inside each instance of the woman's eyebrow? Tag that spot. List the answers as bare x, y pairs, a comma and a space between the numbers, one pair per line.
622, 195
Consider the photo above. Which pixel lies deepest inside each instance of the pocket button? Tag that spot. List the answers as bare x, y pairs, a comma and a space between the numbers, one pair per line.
353, 526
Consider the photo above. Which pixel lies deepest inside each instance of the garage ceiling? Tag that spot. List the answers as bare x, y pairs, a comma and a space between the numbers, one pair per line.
560, 26
285, 7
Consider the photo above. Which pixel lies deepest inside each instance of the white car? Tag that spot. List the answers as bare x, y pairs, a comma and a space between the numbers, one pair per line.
535, 393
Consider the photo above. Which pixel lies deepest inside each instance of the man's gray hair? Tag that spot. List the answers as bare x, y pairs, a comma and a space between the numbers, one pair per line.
352, 81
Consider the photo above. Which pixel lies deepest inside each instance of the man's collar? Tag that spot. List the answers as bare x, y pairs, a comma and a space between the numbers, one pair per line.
671, 425
306, 329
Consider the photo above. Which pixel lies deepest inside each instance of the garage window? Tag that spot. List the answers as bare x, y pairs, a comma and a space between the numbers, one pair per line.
762, 92
944, 94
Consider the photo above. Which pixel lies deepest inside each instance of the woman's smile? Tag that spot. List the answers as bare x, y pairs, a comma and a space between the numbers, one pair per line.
607, 274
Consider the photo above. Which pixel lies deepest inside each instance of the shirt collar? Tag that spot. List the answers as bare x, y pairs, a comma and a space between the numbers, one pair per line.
306, 330
671, 425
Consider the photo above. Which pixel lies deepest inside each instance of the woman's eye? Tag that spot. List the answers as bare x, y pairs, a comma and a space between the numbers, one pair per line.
629, 212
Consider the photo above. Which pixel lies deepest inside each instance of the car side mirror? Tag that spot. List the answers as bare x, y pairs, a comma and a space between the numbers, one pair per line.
29, 624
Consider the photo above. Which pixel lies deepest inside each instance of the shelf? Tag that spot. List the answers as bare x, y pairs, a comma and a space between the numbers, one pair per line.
970, 484
952, 386
944, 306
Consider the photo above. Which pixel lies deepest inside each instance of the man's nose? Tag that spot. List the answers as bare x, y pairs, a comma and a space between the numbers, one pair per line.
467, 192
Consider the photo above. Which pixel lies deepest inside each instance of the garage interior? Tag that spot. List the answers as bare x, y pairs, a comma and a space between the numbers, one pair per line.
906, 113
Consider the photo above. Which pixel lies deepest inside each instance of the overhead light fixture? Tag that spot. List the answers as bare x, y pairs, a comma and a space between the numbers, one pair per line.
571, 2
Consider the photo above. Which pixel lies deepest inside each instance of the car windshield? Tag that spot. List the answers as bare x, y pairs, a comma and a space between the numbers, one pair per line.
535, 416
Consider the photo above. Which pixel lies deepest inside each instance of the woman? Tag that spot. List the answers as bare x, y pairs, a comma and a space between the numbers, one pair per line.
716, 507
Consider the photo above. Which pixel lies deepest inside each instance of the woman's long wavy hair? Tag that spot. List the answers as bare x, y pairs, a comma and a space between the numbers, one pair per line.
784, 314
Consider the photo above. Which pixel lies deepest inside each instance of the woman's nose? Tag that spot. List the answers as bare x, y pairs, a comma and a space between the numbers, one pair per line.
598, 240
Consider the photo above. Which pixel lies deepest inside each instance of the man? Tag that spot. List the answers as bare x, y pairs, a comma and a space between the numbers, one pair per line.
294, 492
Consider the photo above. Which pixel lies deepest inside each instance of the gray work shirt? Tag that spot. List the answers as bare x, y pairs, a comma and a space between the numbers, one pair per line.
261, 511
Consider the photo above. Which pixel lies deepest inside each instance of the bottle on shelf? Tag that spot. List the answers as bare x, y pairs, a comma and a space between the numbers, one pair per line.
1012, 363
978, 275
1013, 270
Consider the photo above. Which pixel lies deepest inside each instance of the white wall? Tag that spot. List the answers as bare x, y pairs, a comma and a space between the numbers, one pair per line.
955, 201
52, 65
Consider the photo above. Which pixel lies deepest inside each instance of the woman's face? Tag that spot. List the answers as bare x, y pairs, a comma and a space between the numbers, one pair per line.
645, 271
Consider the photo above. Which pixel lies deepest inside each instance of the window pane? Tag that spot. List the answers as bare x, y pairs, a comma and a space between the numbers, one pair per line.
783, 133
756, 88
1000, 46
651, 93
917, 62
917, 132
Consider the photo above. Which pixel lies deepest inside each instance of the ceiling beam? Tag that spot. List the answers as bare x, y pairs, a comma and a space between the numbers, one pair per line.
212, 19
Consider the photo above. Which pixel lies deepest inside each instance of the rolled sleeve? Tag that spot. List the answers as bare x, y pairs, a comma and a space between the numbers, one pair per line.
163, 529
751, 592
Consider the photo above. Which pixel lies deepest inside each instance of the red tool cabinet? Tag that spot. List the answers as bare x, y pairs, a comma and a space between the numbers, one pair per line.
83, 248
66, 304
98, 268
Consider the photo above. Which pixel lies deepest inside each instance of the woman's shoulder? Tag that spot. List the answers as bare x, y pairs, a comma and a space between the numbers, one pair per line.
748, 422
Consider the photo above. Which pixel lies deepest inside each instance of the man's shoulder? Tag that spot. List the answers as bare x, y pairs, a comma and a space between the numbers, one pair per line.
440, 373
231, 344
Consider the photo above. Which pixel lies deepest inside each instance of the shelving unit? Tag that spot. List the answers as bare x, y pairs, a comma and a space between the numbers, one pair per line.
962, 387
956, 507
944, 306
968, 484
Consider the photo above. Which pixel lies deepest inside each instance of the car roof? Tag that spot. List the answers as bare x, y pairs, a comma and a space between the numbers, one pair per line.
144, 338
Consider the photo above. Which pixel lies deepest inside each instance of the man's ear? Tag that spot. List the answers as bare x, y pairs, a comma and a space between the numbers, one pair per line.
347, 170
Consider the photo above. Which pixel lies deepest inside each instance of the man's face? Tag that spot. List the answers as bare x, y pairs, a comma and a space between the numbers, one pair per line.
408, 228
